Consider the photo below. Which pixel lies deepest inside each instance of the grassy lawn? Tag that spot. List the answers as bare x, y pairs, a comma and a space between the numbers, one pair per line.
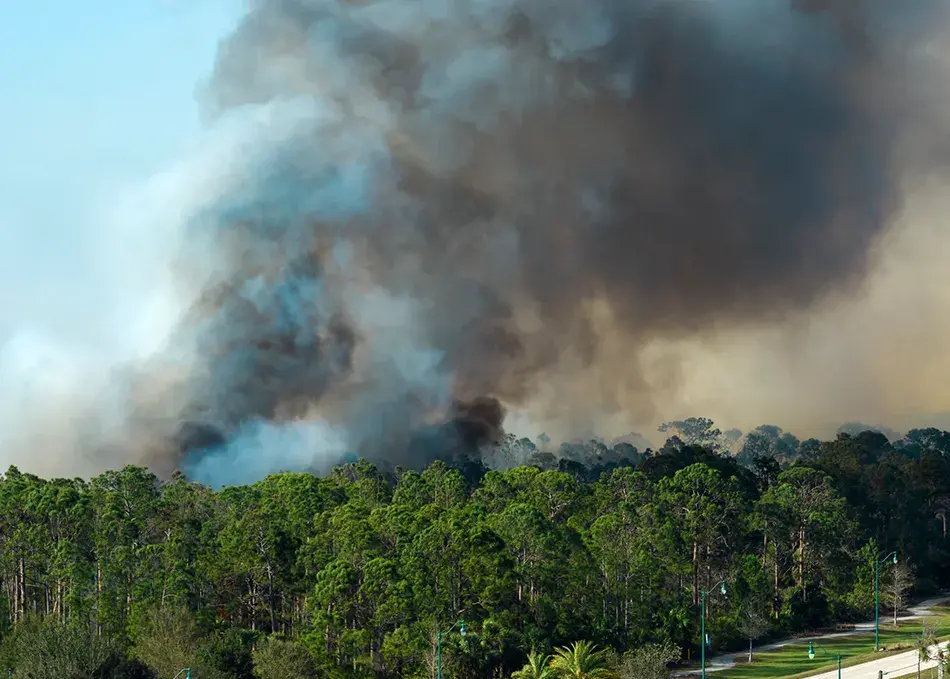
792, 661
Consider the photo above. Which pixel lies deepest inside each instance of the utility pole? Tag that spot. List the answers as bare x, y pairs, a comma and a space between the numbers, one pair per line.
877, 599
702, 624
811, 655
438, 643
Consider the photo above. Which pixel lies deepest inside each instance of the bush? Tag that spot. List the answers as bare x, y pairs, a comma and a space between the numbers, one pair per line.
278, 659
48, 649
166, 641
121, 667
228, 653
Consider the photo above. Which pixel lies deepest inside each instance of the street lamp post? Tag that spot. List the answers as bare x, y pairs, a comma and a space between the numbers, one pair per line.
811, 654
877, 599
438, 642
702, 625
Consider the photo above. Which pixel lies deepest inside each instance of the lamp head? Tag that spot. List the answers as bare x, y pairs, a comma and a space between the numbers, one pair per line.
895, 557
462, 629
723, 588
811, 651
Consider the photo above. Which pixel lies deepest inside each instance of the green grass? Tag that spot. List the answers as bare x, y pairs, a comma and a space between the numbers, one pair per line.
792, 661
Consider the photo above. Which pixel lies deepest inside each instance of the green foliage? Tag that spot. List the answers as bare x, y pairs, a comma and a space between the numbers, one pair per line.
226, 653
352, 575
928, 639
279, 659
166, 641
47, 649
537, 667
129, 668
581, 660
649, 662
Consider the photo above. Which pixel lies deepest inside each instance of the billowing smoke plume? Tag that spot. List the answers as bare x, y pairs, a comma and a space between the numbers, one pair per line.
452, 200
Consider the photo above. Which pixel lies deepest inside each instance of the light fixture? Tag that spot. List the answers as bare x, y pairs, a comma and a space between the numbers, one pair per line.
811, 651
723, 588
462, 629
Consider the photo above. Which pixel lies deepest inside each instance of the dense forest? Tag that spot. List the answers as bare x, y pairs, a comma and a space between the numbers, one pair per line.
355, 574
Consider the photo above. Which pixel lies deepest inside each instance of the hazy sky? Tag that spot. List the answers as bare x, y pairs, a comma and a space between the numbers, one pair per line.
98, 104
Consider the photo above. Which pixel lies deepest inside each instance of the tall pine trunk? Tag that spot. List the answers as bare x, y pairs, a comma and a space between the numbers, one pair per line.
695, 572
801, 562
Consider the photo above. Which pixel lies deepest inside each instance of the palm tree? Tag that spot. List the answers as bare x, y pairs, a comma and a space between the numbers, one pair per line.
581, 661
538, 667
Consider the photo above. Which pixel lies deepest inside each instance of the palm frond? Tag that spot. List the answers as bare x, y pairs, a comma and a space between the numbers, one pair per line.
538, 667
581, 660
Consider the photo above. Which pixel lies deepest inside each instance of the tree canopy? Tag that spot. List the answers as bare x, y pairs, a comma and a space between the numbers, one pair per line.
601, 551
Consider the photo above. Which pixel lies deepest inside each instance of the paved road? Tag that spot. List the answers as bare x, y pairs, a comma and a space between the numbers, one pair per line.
725, 662
898, 665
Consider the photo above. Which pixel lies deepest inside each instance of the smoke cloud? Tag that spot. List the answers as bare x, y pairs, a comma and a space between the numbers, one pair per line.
447, 210
458, 200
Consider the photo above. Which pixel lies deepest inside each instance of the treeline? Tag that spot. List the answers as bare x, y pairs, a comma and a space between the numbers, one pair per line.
355, 574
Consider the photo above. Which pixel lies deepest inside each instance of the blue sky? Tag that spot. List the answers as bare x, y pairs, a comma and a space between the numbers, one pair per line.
97, 95
97, 100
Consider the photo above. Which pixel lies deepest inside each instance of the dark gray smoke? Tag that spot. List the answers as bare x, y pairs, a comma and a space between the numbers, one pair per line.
450, 192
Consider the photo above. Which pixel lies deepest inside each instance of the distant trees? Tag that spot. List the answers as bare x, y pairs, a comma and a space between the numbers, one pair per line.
696, 431
810, 522
769, 441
